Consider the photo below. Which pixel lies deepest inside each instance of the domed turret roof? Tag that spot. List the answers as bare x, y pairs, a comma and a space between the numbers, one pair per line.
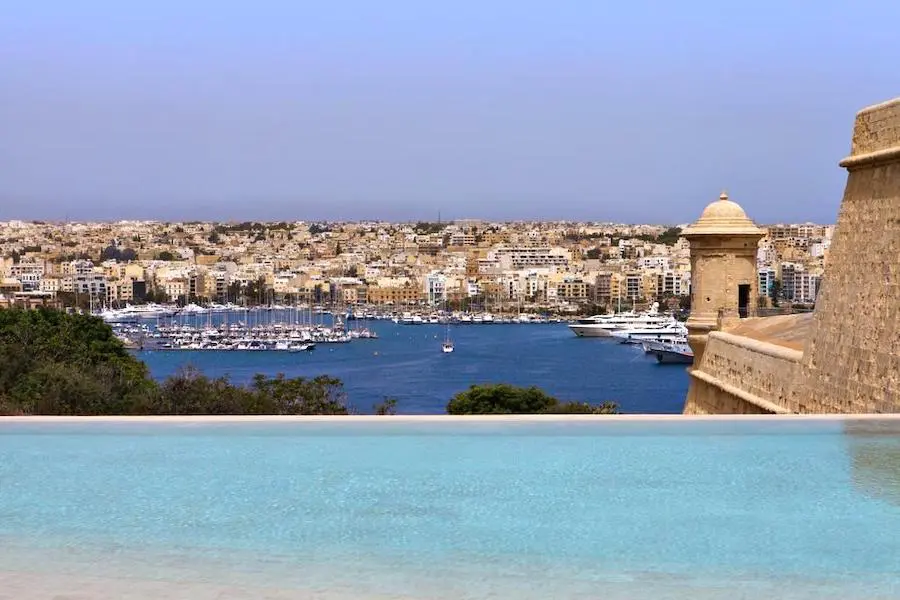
723, 217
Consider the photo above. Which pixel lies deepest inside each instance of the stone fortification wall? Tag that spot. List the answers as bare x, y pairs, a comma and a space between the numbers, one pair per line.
739, 375
851, 361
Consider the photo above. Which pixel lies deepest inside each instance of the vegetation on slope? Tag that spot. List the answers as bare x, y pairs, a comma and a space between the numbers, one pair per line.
56, 363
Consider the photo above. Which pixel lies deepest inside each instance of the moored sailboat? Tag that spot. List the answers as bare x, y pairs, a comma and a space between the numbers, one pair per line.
447, 347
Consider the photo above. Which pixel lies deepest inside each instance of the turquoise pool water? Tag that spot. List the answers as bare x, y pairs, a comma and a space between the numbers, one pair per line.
412, 509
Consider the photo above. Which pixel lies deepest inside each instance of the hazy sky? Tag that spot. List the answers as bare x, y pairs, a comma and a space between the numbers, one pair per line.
397, 109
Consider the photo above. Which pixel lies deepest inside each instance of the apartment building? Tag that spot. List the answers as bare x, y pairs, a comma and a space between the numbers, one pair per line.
395, 295
804, 230
672, 284
634, 286
435, 288
603, 288
799, 285
522, 257
573, 290
767, 278
175, 288
93, 284
460, 238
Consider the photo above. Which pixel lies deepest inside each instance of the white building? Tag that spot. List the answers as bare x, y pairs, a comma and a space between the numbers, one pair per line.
521, 257
436, 287
767, 277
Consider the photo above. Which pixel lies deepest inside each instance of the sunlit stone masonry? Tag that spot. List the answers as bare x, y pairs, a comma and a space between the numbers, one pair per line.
842, 358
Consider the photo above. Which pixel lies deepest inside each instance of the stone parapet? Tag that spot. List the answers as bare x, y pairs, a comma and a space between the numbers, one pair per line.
742, 375
877, 129
850, 361
852, 357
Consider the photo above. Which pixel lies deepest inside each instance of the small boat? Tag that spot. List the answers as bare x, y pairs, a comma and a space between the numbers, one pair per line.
652, 346
674, 354
447, 346
301, 347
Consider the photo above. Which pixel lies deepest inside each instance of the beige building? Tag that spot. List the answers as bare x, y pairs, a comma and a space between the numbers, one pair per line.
842, 358
175, 288
574, 290
406, 294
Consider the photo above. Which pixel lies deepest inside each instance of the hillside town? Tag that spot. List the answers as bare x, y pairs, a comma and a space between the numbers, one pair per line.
560, 267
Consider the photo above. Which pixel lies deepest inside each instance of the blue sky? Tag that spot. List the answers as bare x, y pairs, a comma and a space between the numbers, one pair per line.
636, 111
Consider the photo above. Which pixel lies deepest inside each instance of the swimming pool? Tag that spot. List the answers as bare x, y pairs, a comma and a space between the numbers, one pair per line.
440, 508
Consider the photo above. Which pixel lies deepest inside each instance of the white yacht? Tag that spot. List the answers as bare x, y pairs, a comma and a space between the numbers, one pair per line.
670, 332
679, 353
651, 346
605, 325
131, 311
193, 309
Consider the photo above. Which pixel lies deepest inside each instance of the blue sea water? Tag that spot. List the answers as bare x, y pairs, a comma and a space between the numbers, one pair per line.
406, 363
439, 510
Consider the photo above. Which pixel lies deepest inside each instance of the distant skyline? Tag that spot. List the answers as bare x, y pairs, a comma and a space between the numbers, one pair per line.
397, 110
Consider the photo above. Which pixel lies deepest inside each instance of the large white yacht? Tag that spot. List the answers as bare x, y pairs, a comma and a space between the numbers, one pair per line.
669, 332
605, 325
131, 312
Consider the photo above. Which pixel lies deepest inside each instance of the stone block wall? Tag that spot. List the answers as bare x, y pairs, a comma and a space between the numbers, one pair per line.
851, 361
739, 375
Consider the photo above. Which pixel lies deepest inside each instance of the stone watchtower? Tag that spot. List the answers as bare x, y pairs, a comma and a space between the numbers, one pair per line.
724, 276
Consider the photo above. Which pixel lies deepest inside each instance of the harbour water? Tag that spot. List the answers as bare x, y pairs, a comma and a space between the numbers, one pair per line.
405, 362
398, 508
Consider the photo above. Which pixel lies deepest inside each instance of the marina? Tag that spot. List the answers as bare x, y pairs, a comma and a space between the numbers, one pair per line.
275, 327
409, 364
422, 365
177, 334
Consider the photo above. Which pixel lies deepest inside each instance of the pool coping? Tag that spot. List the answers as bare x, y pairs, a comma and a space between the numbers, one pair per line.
445, 418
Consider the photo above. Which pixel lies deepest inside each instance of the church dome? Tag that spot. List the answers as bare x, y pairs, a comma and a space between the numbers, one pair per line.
723, 217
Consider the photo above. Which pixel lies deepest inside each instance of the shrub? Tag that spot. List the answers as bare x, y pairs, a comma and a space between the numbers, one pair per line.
499, 399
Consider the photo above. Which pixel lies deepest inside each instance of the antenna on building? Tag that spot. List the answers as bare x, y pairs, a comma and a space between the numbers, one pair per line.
439, 217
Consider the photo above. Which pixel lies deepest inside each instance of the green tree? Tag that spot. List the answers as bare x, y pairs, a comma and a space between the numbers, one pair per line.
388, 406
320, 395
56, 363
425, 227
775, 292
502, 398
